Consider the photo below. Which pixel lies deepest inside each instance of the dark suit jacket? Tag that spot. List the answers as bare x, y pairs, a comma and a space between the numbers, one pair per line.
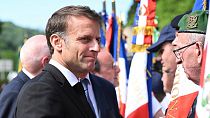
105, 97
9, 95
50, 95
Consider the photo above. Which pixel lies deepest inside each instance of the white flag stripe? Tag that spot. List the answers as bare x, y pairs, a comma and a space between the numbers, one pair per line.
122, 80
137, 86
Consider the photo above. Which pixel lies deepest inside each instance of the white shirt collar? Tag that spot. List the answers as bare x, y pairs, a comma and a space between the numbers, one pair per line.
71, 78
28, 73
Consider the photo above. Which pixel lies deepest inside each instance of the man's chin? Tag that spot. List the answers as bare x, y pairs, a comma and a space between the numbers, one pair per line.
166, 90
90, 68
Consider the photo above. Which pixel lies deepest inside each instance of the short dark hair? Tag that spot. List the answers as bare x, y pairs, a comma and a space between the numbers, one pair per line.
57, 23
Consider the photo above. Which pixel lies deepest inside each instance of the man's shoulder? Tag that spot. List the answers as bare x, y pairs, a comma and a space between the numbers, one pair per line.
42, 82
14, 86
43, 77
101, 81
46, 78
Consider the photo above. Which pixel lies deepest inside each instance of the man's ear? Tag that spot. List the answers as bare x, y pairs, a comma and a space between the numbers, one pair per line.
56, 42
45, 60
199, 52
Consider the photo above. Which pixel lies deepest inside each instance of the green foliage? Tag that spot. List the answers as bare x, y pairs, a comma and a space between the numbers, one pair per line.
3, 81
12, 38
131, 14
10, 54
166, 10
0, 26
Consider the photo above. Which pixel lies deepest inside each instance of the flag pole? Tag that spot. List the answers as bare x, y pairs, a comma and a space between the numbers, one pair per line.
113, 7
104, 5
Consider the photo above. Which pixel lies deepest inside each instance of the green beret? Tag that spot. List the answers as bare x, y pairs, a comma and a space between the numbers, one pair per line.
195, 22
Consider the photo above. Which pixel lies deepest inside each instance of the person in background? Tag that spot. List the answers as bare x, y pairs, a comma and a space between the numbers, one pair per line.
168, 60
188, 48
164, 48
157, 89
65, 88
105, 67
165, 54
34, 55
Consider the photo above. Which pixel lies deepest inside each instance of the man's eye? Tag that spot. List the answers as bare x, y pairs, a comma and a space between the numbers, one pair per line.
166, 71
161, 51
98, 40
85, 39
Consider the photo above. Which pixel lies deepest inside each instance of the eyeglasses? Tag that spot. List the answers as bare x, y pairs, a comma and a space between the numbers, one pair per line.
177, 52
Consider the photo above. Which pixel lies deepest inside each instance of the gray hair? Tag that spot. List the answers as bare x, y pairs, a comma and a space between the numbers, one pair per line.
195, 37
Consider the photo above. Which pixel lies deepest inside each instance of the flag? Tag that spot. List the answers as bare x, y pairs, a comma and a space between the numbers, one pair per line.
203, 102
112, 34
109, 34
19, 64
201, 5
137, 95
112, 37
19, 68
104, 24
115, 45
123, 77
139, 102
103, 38
104, 15
183, 95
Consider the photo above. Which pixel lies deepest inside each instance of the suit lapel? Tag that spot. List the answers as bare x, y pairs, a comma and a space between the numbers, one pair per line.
67, 88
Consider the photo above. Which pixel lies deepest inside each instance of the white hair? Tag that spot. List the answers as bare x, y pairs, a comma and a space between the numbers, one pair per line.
195, 37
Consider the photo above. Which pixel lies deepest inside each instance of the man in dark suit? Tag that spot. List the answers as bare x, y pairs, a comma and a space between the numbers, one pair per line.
65, 89
34, 54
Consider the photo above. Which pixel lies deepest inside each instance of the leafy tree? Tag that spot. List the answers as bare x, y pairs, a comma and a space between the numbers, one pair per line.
0, 26
12, 38
166, 10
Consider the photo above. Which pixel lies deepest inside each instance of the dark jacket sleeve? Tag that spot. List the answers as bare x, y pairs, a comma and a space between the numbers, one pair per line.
38, 100
7, 104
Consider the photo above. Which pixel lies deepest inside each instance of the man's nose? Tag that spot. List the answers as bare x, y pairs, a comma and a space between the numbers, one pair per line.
117, 69
95, 46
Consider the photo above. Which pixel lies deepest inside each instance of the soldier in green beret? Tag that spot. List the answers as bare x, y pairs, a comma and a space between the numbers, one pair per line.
189, 43
188, 46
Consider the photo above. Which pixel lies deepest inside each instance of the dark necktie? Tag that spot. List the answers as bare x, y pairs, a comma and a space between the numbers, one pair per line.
85, 83
80, 90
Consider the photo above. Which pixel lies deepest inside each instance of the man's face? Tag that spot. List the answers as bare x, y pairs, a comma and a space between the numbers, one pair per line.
186, 54
108, 70
81, 45
168, 61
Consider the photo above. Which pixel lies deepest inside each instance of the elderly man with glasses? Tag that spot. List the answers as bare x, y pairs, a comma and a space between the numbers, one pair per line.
188, 45
188, 49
